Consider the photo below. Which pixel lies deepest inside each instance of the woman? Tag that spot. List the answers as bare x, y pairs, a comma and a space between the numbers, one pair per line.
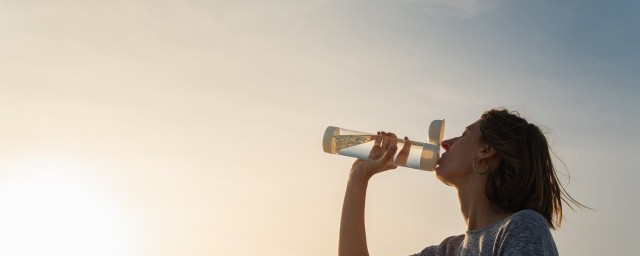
507, 187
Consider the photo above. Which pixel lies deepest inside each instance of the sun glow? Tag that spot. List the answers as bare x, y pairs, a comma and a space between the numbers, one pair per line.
50, 207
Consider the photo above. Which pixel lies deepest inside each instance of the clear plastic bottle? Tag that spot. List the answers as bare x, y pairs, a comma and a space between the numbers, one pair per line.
422, 156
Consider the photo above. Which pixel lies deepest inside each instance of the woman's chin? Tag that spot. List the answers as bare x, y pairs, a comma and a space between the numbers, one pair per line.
443, 173
438, 169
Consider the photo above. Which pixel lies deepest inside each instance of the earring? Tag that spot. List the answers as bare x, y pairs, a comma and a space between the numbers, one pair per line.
484, 165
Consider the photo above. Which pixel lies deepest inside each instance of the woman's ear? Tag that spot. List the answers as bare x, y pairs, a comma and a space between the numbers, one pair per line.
486, 152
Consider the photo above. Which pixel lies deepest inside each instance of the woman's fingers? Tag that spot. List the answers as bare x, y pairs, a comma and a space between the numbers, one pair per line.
381, 155
385, 140
392, 147
390, 143
376, 151
378, 141
406, 146
403, 156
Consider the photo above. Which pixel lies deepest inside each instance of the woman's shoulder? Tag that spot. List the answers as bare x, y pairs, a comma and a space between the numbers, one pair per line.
527, 219
526, 226
448, 246
527, 231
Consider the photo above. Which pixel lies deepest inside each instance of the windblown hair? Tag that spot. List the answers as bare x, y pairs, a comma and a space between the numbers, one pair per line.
525, 177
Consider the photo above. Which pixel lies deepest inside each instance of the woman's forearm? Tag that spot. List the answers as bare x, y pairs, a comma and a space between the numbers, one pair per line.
353, 239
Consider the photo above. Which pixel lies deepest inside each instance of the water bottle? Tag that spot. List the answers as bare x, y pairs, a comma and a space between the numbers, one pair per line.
422, 156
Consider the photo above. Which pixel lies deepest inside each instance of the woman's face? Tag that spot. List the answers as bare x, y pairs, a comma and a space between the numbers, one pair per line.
456, 162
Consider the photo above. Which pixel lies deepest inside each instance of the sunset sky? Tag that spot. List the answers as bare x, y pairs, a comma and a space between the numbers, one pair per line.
195, 127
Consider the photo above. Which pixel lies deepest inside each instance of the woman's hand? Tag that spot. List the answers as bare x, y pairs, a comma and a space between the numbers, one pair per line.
353, 240
381, 156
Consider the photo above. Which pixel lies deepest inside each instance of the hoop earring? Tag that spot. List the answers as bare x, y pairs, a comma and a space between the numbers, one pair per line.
485, 165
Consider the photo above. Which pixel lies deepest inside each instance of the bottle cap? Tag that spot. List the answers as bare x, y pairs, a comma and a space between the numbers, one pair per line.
436, 132
431, 150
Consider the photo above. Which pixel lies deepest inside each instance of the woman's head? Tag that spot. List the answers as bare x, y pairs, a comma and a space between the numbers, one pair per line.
511, 156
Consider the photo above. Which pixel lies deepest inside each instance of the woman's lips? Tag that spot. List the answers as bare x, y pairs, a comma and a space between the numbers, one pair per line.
440, 158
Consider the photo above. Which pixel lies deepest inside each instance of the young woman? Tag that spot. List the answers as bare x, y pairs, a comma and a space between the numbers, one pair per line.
507, 187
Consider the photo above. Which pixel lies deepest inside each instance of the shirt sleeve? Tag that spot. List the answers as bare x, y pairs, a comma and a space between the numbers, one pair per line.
447, 247
528, 234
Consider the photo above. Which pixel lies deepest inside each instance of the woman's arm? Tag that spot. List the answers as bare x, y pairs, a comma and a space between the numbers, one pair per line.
353, 238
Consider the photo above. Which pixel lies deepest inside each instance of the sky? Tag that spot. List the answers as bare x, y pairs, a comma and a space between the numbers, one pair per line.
195, 127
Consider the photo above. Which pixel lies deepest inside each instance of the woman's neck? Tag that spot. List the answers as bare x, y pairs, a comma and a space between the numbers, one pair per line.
476, 207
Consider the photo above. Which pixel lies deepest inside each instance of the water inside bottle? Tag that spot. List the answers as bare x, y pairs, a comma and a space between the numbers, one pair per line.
359, 146
347, 141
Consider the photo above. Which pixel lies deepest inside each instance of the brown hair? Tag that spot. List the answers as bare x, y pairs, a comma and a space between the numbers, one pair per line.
525, 177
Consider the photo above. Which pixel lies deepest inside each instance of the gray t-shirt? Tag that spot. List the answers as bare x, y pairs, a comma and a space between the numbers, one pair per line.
523, 233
